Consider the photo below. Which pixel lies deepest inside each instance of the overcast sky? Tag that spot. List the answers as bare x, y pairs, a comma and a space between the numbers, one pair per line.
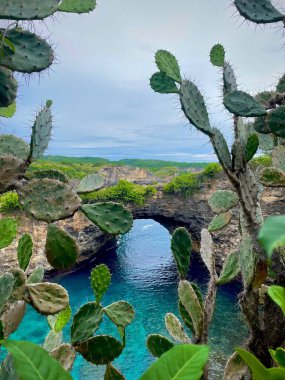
103, 104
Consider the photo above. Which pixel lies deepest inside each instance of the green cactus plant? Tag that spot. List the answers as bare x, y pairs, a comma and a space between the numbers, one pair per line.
158, 345
25, 251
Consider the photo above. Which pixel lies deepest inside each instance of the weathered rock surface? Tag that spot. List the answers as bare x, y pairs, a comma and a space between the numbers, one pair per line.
170, 210
89, 237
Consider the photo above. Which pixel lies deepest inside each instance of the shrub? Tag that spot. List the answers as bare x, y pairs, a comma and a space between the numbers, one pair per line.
124, 191
9, 201
264, 160
185, 184
212, 169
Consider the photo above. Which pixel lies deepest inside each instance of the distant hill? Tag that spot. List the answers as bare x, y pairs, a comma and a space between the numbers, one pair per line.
151, 165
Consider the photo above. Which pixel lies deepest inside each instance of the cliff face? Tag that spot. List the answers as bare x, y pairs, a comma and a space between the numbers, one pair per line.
89, 237
170, 210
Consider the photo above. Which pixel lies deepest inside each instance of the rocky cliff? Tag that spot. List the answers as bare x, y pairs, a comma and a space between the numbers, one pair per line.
170, 210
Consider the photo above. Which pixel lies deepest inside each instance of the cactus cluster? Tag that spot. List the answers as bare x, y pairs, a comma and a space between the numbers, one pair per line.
258, 123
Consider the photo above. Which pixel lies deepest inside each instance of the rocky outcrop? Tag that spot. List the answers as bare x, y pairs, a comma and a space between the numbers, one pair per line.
170, 210
90, 240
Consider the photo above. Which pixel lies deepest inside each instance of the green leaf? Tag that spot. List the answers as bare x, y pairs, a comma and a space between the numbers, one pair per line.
32, 362
25, 250
260, 372
277, 293
58, 321
278, 356
8, 111
272, 234
181, 246
187, 362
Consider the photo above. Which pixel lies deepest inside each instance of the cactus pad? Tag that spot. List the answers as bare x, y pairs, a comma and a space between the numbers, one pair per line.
258, 11
8, 87
281, 84
36, 276
265, 98
207, 251
25, 250
181, 246
191, 303
49, 173
247, 260
185, 316
8, 111
278, 157
158, 345
11, 170
52, 340
28, 9
58, 321
32, 54
260, 125
217, 55
175, 328
167, 63
65, 355
223, 200
41, 133
12, 317
7, 281
100, 349
90, 183
86, 321
242, 104
112, 373
229, 79
230, 269
272, 177
111, 217
100, 280
13, 146
194, 108
220, 221
251, 146
221, 148
77, 6
47, 298
61, 249
161, 83
8, 231
121, 313
276, 121
48, 199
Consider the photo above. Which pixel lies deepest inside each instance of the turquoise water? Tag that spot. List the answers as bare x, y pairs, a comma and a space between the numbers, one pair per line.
144, 274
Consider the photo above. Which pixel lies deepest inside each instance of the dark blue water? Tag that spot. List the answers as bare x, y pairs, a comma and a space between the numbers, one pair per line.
144, 274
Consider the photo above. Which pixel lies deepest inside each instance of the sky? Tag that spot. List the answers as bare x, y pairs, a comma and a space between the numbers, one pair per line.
102, 103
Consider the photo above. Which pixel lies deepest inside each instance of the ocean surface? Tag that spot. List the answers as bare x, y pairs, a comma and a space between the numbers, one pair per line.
144, 274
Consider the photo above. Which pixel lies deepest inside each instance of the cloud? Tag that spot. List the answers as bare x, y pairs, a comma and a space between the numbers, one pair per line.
103, 104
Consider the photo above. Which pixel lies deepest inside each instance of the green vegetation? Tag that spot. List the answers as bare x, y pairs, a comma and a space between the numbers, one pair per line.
9, 202
264, 160
187, 183
125, 192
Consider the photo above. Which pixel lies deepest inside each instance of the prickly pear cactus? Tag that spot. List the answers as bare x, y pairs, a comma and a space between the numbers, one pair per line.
8, 87
223, 200
181, 246
90, 183
158, 345
259, 11
8, 231
11, 145
100, 280
121, 313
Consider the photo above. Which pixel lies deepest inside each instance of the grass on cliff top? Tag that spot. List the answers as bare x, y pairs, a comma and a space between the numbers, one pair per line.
125, 192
